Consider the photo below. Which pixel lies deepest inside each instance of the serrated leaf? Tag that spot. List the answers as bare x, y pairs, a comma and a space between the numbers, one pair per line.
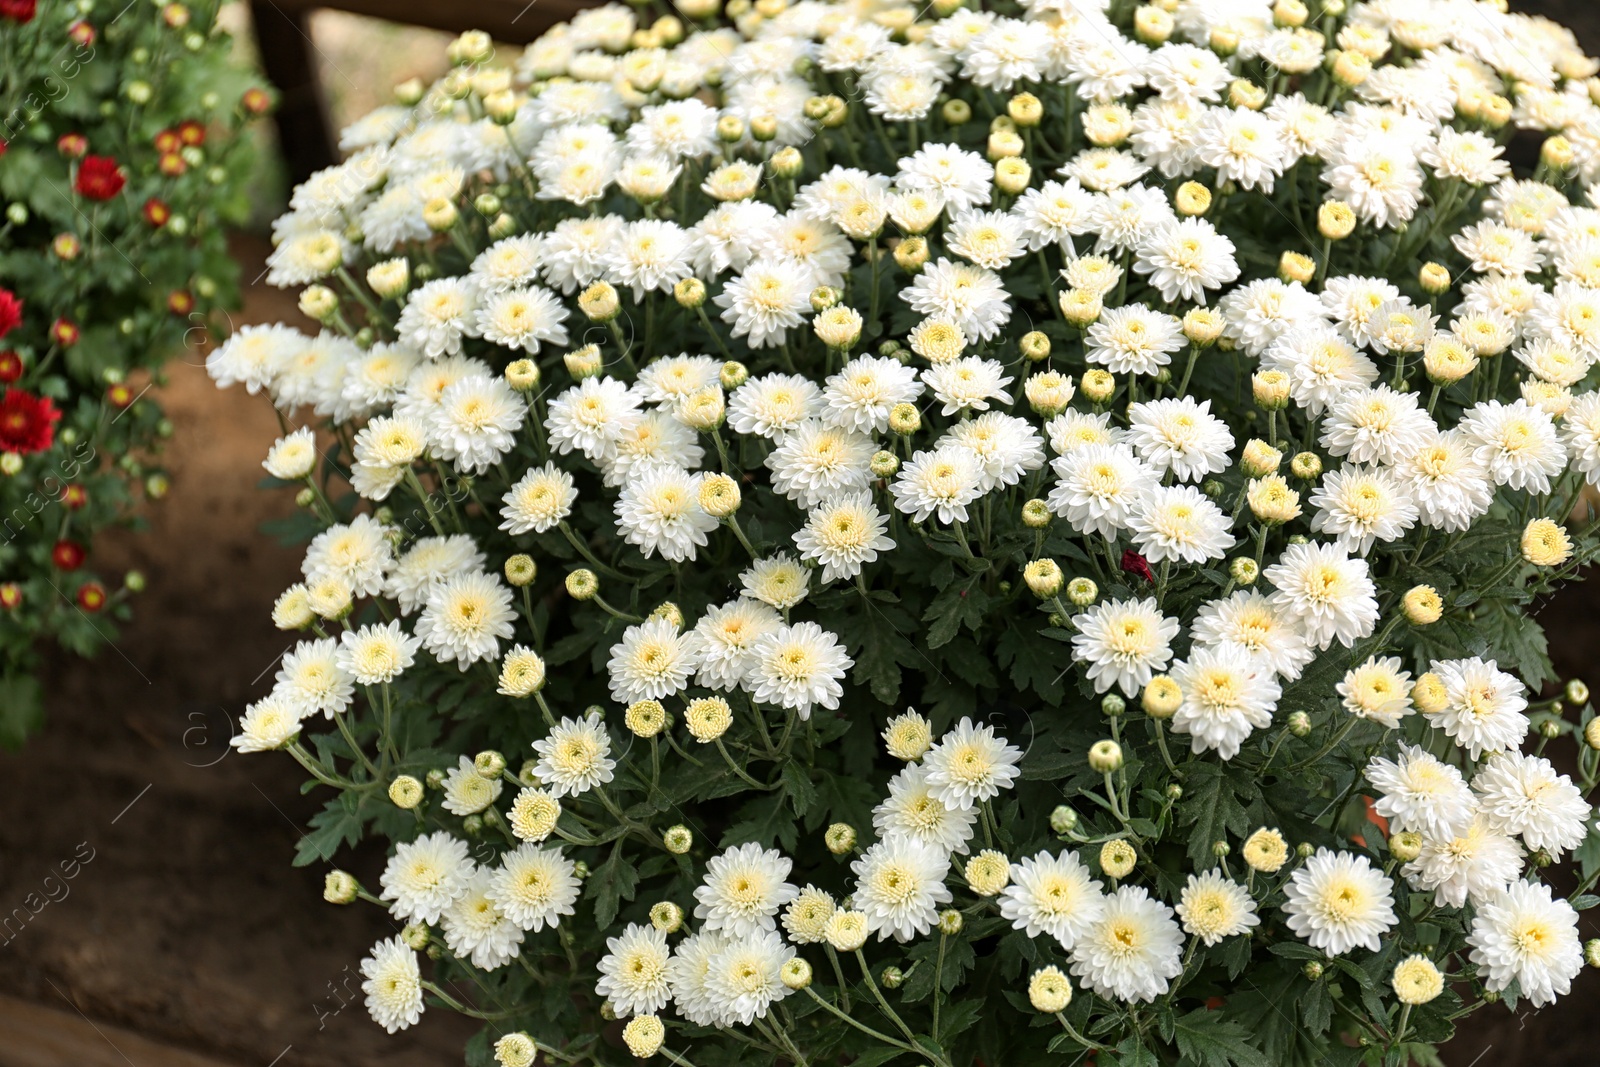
1209, 1039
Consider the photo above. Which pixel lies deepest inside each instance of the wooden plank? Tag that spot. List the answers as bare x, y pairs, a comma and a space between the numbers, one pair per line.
38, 1036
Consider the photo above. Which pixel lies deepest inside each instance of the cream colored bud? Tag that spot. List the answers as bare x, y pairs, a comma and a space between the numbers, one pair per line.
1105, 757
1422, 605
1117, 858
1044, 578
1049, 991
1297, 267
838, 327
405, 792
599, 302
1081, 307
1191, 199
1336, 220
1271, 389
1097, 385
390, 279
1260, 459
584, 362
1434, 278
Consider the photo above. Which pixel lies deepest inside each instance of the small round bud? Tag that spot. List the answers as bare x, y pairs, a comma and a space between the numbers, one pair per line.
1105, 756
689, 293
1063, 820
1549, 728
1591, 952
1545, 544
1422, 605
1082, 308
582, 584
956, 111
1221, 849
1081, 592
719, 496
1117, 858
1044, 578
891, 977
406, 792
884, 464
1297, 267
988, 873
905, 419
840, 838
950, 922
1049, 991
795, 974
1299, 724
666, 916
1270, 389
1312, 970
1266, 851
339, 887
1260, 459
1112, 705
1245, 94
643, 1035
733, 374
678, 839
1174, 791
1434, 278
1336, 220
1036, 514
390, 279
415, 936
1161, 698
1406, 846
1244, 570
1307, 466
1577, 692
1556, 152
599, 302
707, 718
489, 764
302, 499
1098, 385
1192, 199
319, 302
645, 718
522, 375
521, 570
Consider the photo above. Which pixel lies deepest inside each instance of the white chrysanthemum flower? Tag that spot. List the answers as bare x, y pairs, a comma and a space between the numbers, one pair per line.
1006, 447
773, 404
668, 381
1124, 643
687, 975
1523, 795
1525, 935
426, 876
1246, 147
475, 929
728, 635
292, 456
1072, 430
1361, 505
1098, 487
438, 315
911, 810
1260, 312
991, 239
1214, 906
1186, 71
1484, 706
533, 886
767, 299
843, 534
900, 885
1378, 690
659, 510
971, 297
815, 463
428, 562
1055, 895
1337, 901
1494, 246
805, 920
1226, 695
1448, 482
941, 482
575, 250
539, 500
648, 255
357, 551
1376, 425
1250, 622
1179, 435
1134, 339
961, 178
591, 416
1569, 314
633, 972
967, 384
745, 977
745, 887
780, 581
1581, 432
1331, 594
1421, 792
268, 724
860, 396
312, 680
523, 319
254, 356
970, 765
466, 792
652, 661
1133, 951
798, 667
392, 984
1377, 175
1472, 864
1178, 522
1323, 367
475, 422
575, 756
465, 617
509, 264
1517, 442
1054, 213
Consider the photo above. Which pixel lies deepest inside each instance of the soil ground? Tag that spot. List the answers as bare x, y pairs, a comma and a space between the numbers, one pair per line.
185, 924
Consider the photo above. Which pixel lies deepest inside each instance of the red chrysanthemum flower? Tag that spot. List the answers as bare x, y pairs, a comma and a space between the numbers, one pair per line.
27, 422
74, 496
10, 596
18, 10
68, 555
81, 33
91, 596
65, 332
256, 101
72, 145
156, 212
1133, 563
172, 165
168, 141
99, 177
192, 132
10, 367
10, 311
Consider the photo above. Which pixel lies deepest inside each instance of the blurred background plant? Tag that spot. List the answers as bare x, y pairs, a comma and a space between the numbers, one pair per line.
121, 169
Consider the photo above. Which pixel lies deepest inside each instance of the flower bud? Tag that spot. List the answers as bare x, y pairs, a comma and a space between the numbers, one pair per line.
840, 838
1299, 724
1577, 692
643, 1035
1271, 390
1161, 698
1012, 175
405, 791
1297, 267
988, 873
795, 974
733, 374
339, 887
1117, 858
1336, 220
846, 931
1063, 820
1036, 514
1266, 851
1097, 385
1306, 466
719, 496
883, 464
582, 584
1049, 991
1434, 278
678, 839
838, 327
950, 922
787, 162
1545, 544
689, 293
891, 977
599, 302
905, 419
1312, 970
584, 362
1081, 592
708, 718
1081, 307
1044, 578
1105, 756
666, 916
1422, 605
1406, 846
521, 570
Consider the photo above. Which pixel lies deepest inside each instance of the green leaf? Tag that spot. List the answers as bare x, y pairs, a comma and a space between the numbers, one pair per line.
958, 605
1211, 808
614, 881
1208, 1039
21, 709
797, 785
336, 824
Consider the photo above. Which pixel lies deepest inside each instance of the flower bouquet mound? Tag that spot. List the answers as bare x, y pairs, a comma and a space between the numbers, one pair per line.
858, 533
120, 165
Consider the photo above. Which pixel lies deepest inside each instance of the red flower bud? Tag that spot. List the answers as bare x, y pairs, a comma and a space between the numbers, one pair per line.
1133, 563
68, 555
10, 367
74, 496
192, 132
175, 16
180, 302
119, 395
81, 33
256, 101
72, 145
156, 212
65, 333
10, 596
91, 596
99, 178
10, 311
168, 141
66, 246
172, 165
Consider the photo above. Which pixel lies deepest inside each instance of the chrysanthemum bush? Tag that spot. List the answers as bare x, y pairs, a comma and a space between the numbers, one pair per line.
120, 164
951, 536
